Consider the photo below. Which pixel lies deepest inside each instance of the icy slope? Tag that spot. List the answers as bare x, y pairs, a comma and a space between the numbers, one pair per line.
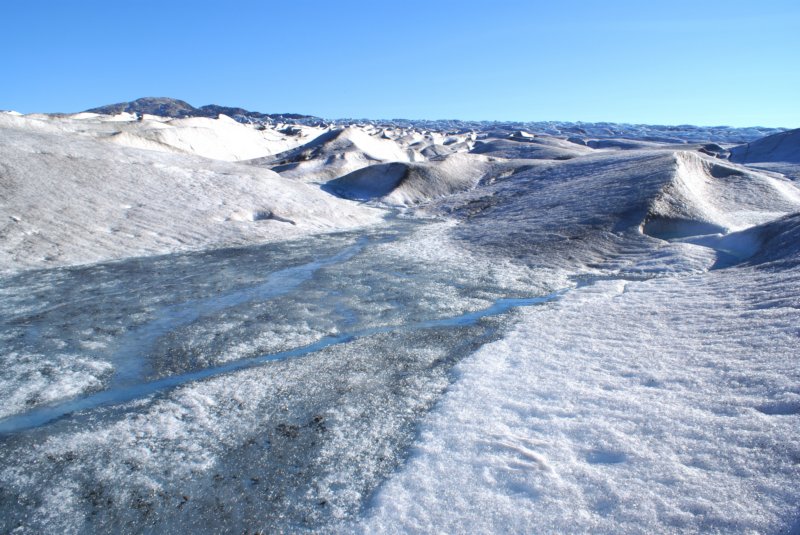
707, 197
70, 199
772, 245
782, 147
779, 153
535, 148
588, 210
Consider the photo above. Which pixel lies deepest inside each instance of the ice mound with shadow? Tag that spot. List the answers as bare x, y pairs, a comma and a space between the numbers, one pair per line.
588, 210
772, 245
412, 183
781, 147
335, 153
706, 196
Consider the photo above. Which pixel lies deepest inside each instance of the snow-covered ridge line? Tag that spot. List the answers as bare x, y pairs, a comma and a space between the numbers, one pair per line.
663, 133
601, 130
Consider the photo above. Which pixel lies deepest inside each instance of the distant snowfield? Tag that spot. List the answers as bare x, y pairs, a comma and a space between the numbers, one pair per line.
396, 328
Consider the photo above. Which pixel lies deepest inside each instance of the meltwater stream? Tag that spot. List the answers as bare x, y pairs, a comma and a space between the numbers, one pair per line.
128, 363
120, 394
335, 347
133, 372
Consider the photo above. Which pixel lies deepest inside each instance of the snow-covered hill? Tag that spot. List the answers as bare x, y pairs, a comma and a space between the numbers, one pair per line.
335, 153
70, 198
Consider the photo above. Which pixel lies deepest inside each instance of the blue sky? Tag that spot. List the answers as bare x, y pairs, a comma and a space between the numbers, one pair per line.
667, 62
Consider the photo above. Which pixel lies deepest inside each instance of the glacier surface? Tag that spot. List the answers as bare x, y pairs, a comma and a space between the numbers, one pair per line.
358, 326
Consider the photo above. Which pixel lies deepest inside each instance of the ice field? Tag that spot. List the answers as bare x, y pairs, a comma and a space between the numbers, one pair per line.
208, 326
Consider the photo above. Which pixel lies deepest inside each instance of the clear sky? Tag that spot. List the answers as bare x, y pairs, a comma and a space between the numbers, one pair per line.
704, 62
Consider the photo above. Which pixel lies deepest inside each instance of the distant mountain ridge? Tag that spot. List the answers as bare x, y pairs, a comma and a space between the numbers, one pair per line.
172, 107
175, 108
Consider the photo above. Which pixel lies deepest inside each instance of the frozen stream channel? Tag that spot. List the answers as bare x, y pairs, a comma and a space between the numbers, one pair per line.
271, 386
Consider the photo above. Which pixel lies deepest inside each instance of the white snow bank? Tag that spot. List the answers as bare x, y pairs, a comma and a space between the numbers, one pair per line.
220, 139
707, 197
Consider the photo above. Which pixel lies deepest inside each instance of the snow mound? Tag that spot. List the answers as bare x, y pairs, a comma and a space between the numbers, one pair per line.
535, 148
708, 197
775, 244
612, 205
219, 139
336, 153
412, 183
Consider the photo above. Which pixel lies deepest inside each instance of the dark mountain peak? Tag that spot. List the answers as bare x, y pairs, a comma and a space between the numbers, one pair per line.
172, 107
163, 106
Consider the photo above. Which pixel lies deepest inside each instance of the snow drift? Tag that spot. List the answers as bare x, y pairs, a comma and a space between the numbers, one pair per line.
708, 197
220, 138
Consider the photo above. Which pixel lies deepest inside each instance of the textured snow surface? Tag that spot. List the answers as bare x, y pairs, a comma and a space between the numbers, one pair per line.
627, 407
610, 210
292, 444
782, 147
411, 183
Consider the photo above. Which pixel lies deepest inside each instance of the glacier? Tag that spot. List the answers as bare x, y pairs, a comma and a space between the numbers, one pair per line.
275, 324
